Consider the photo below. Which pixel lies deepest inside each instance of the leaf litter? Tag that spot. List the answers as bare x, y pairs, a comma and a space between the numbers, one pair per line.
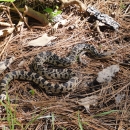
102, 106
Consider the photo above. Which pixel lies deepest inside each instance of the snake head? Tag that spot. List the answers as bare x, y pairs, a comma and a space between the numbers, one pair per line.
106, 55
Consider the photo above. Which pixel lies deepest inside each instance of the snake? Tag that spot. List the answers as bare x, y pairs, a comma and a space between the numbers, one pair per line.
39, 74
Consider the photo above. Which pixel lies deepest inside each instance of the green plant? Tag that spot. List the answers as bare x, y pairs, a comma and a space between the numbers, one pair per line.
52, 13
11, 115
34, 119
79, 121
122, 6
32, 92
105, 113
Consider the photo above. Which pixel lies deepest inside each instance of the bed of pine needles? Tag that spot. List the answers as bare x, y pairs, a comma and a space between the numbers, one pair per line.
31, 108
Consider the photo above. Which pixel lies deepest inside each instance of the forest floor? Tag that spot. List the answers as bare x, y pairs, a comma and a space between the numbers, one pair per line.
105, 107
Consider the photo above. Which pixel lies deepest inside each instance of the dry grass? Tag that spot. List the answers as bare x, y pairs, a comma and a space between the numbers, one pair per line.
64, 108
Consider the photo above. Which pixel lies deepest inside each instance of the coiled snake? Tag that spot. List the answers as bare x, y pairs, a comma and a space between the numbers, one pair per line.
41, 73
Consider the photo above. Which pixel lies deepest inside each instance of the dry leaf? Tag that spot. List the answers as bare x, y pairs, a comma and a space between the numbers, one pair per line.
41, 41
86, 102
5, 24
6, 31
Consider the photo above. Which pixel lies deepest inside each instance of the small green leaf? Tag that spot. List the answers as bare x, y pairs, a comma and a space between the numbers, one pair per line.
57, 7
48, 10
32, 92
52, 13
79, 121
59, 12
122, 6
106, 113
55, 13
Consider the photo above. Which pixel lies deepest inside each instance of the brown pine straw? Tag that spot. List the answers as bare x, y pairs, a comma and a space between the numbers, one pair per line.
65, 108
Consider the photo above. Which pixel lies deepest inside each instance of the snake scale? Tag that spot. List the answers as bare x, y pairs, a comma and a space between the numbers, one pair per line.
39, 73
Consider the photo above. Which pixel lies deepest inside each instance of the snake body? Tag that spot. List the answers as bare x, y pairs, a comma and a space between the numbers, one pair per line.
40, 73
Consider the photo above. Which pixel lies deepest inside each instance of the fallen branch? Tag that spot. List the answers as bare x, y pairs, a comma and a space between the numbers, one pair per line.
66, 3
36, 15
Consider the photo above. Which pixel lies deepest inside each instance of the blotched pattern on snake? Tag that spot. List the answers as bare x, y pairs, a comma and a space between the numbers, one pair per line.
39, 74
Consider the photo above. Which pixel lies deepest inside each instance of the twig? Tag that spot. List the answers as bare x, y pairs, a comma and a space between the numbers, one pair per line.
5, 24
98, 29
21, 16
127, 9
9, 17
66, 3
6, 45
113, 95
